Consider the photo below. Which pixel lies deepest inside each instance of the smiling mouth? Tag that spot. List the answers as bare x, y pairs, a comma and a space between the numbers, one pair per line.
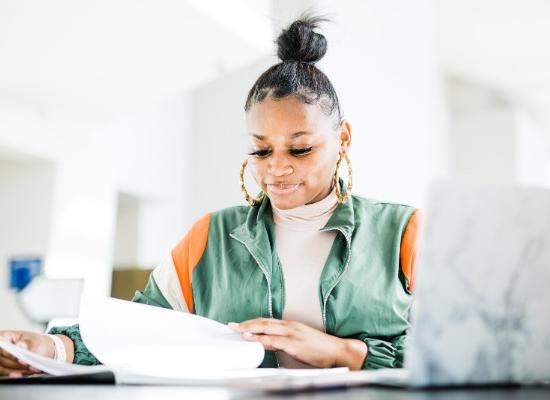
283, 188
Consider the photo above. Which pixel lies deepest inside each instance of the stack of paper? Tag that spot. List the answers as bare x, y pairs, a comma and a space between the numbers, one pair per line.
141, 344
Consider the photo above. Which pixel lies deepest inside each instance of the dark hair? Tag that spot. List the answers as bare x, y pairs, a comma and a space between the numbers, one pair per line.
299, 48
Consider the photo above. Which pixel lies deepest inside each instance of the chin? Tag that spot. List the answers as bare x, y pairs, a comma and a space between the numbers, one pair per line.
286, 204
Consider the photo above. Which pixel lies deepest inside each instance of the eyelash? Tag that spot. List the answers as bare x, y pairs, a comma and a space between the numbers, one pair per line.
295, 152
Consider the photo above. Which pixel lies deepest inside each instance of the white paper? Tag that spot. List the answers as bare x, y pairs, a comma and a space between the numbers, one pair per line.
48, 365
145, 340
259, 378
142, 344
323, 378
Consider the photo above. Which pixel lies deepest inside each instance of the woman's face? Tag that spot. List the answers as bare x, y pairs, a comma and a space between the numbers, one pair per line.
293, 150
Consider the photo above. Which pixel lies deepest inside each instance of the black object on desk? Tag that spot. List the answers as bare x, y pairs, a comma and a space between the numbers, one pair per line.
97, 378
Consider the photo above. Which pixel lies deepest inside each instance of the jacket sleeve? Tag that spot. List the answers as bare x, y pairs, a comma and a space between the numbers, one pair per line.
384, 352
81, 354
151, 295
388, 352
410, 248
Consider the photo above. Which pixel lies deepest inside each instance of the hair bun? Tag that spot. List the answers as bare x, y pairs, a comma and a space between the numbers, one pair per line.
300, 43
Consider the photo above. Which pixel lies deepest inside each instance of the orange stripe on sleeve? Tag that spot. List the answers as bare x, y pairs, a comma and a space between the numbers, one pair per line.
187, 254
410, 246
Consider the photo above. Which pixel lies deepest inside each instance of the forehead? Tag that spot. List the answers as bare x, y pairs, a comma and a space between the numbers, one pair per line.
283, 117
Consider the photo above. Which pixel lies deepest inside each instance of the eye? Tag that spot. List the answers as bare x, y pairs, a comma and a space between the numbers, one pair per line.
300, 152
260, 153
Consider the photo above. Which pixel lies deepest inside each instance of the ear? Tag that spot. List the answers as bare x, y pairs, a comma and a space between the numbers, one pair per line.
345, 136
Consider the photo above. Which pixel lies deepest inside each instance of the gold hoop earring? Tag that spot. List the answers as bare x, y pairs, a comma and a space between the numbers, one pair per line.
342, 198
253, 201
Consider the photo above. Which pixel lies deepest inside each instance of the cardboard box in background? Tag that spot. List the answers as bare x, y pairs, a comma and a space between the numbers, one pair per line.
127, 280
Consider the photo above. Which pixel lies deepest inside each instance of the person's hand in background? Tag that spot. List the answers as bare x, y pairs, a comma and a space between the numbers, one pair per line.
35, 342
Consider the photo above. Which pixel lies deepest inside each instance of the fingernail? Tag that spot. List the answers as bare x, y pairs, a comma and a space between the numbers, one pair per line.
233, 325
23, 345
247, 335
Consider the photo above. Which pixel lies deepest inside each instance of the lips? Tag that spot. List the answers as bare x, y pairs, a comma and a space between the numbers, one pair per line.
282, 189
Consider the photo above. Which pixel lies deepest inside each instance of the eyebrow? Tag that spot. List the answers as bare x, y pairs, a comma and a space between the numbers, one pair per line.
293, 136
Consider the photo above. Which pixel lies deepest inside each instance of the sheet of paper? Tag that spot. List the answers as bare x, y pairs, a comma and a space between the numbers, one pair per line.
133, 339
314, 379
45, 364
144, 340
259, 378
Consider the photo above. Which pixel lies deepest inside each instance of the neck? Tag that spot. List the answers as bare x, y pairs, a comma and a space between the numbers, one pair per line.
307, 216
323, 195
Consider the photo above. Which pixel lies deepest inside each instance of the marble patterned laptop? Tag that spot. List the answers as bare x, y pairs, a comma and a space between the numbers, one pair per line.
481, 310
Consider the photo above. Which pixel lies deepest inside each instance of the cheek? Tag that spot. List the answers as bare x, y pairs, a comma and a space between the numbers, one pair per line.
257, 170
318, 168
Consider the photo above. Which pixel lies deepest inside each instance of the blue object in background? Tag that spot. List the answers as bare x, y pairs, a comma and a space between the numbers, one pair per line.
23, 270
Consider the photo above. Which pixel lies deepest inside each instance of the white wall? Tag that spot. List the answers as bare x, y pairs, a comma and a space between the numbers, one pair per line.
219, 139
26, 188
126, 231
151, 157
494, 138
532, 150
144, 154
381, 59
483, 132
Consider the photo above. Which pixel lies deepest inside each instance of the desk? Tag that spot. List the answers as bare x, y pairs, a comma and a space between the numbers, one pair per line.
85, 392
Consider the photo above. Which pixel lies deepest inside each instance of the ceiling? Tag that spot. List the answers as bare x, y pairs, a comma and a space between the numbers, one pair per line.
103, 57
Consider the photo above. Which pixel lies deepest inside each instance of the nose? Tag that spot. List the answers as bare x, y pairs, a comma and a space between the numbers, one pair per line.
279, 165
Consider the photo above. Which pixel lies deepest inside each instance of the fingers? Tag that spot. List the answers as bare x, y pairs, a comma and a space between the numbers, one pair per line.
6, 355
265, 326
271, 343
11, 363
13, 372
13, 337
7, 360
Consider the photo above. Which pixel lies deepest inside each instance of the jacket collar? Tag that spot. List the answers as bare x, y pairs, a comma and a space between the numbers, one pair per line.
343, 218
257, 233
258, 230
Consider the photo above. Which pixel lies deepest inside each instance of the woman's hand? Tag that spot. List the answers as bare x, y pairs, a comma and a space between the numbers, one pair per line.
35, 342
304, 343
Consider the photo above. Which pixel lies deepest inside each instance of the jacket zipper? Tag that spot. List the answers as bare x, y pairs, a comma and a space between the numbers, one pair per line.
284, 283
269, 299
337, 280
284, 301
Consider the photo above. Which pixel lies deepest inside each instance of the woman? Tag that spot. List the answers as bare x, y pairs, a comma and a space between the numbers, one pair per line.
320, 277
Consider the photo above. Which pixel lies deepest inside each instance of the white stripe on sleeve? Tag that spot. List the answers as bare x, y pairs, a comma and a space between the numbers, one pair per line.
167, 281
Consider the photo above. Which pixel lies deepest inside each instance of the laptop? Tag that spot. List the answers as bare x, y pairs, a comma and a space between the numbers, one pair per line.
481, 310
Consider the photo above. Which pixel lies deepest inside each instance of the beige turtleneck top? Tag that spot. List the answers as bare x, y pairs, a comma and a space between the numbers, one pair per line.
303, 251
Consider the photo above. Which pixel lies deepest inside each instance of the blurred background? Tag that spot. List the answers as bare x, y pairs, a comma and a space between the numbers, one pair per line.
121, 121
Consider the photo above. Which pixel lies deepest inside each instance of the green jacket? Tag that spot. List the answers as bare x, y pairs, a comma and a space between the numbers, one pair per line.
228, 270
